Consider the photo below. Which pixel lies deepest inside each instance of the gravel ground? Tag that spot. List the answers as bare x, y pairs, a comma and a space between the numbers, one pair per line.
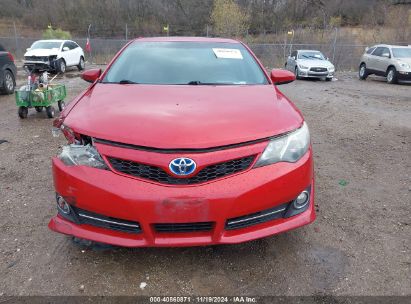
359, 245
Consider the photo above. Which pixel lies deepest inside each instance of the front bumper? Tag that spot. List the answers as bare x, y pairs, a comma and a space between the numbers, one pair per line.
404, 75
115, 196
40, 65
312, 74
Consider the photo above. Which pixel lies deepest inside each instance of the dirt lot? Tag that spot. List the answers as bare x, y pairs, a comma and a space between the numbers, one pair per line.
359, 245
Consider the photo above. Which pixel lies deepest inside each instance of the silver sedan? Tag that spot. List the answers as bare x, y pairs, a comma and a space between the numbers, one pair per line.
310, 64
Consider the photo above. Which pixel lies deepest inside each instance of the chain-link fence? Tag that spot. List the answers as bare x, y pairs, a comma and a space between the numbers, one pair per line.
344, 56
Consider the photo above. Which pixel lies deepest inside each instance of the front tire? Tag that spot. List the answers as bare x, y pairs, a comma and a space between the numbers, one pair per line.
296, 72
392, 75
23, 111
9, 82
50, 111
362, 72
61, 66
61, 105
81, 64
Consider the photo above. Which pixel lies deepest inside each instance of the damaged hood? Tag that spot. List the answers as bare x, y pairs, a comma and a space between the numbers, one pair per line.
42, 52
181, 116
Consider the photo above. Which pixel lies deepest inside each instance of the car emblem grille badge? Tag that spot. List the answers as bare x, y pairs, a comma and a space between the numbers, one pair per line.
182, 166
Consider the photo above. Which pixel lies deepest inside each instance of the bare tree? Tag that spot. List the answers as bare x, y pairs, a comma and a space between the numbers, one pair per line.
229, 19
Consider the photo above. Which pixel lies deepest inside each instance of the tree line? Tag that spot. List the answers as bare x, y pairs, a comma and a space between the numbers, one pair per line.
194, 17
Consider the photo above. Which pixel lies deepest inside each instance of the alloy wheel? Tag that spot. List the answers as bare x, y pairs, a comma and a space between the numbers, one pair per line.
62, 66
362, 71
390, 75
9, 82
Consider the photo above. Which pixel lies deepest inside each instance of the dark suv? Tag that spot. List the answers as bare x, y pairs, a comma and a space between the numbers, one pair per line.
8, 72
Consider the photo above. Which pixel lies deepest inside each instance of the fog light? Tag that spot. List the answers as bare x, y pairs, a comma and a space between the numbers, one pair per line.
301, 200
62, 205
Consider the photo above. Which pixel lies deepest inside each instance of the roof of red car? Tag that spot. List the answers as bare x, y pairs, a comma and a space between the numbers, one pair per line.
185, 39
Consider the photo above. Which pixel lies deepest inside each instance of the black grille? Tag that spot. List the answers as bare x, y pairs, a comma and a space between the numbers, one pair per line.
94, 219
256, 218
37, 58
184, 227
318, 69
159, 175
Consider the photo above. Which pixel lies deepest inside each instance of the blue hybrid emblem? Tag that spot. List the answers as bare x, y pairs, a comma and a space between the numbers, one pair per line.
182, 166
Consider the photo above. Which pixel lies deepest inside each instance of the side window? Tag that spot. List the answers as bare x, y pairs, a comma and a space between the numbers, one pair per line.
66, 44
294, 54
386, 52
370, 50
378, 51
73, 45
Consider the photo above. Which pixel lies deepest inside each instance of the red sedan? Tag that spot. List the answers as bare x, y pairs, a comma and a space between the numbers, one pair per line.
182, 142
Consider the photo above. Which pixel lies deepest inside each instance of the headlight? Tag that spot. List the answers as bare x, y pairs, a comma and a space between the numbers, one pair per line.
79, 155
404, 65
302, 67
331, 69
288, 148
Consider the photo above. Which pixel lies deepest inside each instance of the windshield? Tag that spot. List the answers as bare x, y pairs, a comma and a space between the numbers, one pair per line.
194, 63
401, 52
311, 55
45, 45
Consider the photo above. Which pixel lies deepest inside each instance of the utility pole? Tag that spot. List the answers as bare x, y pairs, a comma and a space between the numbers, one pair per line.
285, 44
126, 33
335, 42
88, 39
15, 37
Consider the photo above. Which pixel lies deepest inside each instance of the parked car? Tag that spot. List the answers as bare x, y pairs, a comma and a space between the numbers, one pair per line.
8, 72
310, 64
189, 143
391, 61
54, 55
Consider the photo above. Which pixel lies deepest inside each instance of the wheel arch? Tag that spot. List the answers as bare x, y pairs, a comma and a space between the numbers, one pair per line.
11, 71
389, 67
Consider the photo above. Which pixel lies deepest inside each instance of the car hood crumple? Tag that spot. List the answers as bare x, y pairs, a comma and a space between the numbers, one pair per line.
182, 116
315, 63
42, 52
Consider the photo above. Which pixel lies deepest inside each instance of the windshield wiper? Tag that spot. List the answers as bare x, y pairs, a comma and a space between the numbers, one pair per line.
126, 81
309, 57
197, 82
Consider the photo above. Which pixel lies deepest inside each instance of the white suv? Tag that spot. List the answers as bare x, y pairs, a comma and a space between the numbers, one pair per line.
391, 61
54, 55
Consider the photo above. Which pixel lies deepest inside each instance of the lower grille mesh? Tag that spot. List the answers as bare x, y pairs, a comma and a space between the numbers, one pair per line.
94, 219
256, 218
184, 227
318, 69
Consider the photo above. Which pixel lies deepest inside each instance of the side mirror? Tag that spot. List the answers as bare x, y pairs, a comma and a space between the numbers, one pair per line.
91, 75
293, 57
387, 55
281, 76
28, 49
65, 49
367, 48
